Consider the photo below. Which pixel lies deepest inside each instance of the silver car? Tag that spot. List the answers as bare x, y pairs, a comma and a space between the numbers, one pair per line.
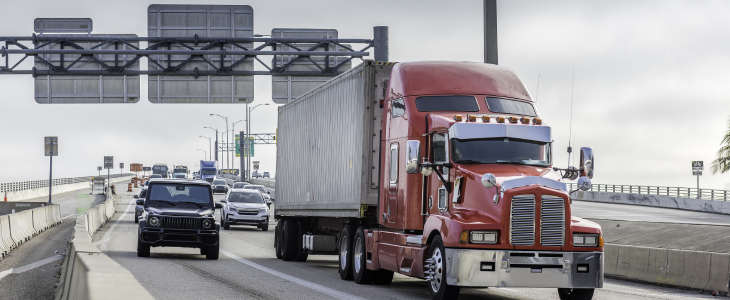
244, 207
262, 190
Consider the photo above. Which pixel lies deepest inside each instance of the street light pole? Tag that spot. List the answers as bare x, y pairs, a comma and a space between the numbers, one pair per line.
209, 147
233, 135
204, 153
248, 134
227, 159
216, 142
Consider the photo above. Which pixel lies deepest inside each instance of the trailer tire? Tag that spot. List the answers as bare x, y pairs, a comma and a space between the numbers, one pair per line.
575, 294
277, 242
345, 252
288, 240
302, 254
360, 272
383, 277
438, 287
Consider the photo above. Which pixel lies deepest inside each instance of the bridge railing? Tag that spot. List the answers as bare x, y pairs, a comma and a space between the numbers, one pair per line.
36, 184
681, 192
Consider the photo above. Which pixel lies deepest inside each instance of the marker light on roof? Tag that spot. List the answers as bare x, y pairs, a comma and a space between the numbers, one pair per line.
471, 118
525, 120
500, 119
513, 119
537, 121
457, 118
485, 119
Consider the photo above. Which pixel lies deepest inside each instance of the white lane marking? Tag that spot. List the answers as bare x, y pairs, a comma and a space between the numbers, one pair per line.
308, 284
66, 217
30, 266
102, 243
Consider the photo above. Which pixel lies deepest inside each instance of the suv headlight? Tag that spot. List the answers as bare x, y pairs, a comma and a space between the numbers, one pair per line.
263, 209
207, 223
587, 240
154, 221
479, 237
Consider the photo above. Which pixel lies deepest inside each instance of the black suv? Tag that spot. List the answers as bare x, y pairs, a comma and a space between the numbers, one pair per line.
178, 214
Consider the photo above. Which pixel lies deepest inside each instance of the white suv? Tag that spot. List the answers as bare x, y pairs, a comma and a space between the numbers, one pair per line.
244, 207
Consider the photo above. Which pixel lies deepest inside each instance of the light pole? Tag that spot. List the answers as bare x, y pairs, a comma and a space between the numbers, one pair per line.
248, 138
216, 142
227, 159
204, 153
209, 146
233, 135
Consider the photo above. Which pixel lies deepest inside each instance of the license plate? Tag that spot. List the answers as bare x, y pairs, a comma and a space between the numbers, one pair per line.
536, 270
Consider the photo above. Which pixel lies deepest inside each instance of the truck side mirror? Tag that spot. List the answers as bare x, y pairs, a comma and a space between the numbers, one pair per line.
584, 183
586, 162
412, 155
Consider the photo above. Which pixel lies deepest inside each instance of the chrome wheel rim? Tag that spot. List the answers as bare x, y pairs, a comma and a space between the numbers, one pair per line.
437, 270
343, 253
357, 255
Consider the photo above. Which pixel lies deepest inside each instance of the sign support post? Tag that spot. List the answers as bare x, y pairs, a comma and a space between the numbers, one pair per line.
108, 165
51, 143
697, 167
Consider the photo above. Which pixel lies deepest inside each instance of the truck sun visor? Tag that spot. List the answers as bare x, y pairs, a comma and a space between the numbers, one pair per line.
464, 131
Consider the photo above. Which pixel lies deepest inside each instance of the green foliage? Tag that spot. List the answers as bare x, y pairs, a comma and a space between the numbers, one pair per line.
722, 163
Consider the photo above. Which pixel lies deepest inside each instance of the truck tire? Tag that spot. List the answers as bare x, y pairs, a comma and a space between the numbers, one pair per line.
288, 240
143, 250
383, 277
360, 272
277, 241
212, 252
345, 252
302, 254
575, 294
438, 287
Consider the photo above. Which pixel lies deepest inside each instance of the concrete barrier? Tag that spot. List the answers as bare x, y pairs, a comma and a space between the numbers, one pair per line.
57, 189
695, 270
713, 206
6, 241
86, 272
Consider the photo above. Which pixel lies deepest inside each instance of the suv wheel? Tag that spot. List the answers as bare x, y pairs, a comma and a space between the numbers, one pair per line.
212, 252
143, 250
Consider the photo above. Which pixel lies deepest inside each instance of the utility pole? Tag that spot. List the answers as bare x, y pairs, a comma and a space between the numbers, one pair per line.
51, 143
490, 32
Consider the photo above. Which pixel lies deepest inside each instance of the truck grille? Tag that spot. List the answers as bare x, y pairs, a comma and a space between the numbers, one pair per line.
522, 220
180, 223
552, 221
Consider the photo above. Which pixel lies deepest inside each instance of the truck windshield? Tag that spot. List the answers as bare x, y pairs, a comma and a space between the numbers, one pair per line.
207, 172
179, 193
501, 151
180, 171
246, 198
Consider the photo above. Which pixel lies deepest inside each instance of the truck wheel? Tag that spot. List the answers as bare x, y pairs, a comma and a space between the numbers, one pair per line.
345, 251
143, 250
212, 252
383, 277
436, 264
361, 273
302, 253
277, 240
288, 240
575, 294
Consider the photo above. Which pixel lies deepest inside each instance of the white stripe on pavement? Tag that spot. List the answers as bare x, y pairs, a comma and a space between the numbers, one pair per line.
308, 284
102, 243
30, 266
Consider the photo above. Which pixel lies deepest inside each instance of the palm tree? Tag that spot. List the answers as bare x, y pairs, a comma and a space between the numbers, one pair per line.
722, 163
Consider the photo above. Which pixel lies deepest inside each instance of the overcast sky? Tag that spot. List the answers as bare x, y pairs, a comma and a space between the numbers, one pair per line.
650, 94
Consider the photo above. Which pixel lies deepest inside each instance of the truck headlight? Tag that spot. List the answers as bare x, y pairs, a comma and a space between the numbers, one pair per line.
207, 223
154, 221
587, 240
479, 237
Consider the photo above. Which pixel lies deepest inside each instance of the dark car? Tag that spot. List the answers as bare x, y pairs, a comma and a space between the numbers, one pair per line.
266, 175
139, 208
220, 186
178, 213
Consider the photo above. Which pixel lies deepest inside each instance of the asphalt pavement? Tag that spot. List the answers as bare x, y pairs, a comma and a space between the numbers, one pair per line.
248, 269
638, 213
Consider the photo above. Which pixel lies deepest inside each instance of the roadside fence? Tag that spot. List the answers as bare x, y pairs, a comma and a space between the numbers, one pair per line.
680, 192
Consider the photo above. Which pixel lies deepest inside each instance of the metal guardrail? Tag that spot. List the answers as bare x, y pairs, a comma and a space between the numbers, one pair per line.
681, 192
36, 184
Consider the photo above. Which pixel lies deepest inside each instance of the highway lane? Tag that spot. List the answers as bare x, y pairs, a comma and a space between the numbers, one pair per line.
247, 268
638, 213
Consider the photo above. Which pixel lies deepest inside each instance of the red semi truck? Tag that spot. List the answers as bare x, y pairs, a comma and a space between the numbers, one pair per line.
435, 170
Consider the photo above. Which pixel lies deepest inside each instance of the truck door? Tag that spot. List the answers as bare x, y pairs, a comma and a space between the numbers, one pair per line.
392, 209
437, 194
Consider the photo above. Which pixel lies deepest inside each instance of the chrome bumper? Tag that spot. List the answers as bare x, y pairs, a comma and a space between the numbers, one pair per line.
535, 269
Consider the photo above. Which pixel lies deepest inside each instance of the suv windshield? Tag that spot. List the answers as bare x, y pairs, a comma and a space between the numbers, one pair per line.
238, 185
246, 198
256, 187
219, 182
178, 193
501, 151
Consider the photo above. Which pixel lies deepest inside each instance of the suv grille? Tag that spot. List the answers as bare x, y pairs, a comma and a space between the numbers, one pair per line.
522, 220
180, 223
552, 221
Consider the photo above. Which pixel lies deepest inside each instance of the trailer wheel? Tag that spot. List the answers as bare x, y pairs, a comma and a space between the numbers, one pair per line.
288, 240
575, 294
301, 253
277, 241
361, 273
345, 252
436, 266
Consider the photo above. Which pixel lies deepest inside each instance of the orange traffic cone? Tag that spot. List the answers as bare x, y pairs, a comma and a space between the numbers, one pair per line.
129, 187
6, 196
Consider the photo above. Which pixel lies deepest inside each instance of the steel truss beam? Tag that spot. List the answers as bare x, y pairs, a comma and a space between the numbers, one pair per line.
210, 50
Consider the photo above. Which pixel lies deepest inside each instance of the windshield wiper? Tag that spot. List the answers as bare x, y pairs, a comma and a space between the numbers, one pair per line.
168, 202
468, 162
510, 162
196, 203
